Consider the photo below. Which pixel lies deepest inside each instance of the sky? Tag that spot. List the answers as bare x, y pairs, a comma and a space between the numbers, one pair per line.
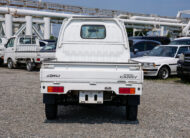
155, 7
158, 7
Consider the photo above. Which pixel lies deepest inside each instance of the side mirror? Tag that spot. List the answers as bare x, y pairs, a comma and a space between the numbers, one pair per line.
178, 55
136, 51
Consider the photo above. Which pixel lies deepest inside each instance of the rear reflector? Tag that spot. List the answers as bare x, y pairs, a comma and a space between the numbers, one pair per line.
38, 59
55, 89
126, 90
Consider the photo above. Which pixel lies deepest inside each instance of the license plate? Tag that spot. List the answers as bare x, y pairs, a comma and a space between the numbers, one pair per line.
91, 97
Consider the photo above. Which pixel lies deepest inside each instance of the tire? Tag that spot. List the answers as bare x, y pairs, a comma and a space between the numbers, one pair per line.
1, 62
163, 73
51, 111
10, 64
131, 112
29, 66
184, 79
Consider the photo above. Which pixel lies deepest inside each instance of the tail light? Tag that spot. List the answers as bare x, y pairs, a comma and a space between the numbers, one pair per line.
55, 89
126, 90
38, 59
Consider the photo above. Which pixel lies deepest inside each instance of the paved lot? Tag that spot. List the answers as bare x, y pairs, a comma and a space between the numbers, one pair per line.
164, 111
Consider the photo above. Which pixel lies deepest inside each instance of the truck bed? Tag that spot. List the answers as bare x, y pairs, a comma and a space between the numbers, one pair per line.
34, 55
83, 74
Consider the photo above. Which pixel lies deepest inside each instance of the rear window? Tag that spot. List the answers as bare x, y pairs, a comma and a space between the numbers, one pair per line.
140, 46
27, 40
93, 32
151, 45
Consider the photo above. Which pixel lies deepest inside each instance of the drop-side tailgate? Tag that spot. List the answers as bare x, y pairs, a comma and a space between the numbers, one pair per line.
91, 72
46, 55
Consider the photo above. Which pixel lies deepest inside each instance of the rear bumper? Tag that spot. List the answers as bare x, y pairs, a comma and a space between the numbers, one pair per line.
67, 100
68, 87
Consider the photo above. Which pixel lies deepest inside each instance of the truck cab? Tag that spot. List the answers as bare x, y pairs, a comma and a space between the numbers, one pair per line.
92, 66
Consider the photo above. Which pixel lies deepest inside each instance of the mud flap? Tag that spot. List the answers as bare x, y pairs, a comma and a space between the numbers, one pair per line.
133, 100
49, 98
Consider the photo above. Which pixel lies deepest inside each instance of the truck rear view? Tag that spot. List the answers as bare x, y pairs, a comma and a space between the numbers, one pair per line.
92, 66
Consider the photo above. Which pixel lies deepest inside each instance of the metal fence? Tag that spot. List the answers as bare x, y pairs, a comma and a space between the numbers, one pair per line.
57, 7
33, 4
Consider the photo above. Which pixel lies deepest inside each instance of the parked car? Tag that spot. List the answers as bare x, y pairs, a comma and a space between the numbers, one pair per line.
180, 38
139, 47
181, 41
48, 51
50, 47
183, 66
162, 39
162, 60
44, 42
92, 66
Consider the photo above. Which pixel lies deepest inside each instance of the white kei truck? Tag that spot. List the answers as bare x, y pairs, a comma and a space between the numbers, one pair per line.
92, 66
25, 50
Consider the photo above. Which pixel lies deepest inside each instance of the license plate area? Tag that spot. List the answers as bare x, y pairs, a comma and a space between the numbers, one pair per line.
91, 97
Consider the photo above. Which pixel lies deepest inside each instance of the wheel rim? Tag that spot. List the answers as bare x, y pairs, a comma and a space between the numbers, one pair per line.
9, 64
165, 73
28, 66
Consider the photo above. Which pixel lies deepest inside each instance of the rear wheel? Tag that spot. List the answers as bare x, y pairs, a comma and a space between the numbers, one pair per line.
1, 62
29, 66
163, 73
131, 112
10, 64
51, 111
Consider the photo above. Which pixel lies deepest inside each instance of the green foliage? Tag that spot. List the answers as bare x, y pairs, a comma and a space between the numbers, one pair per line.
52, 37
140, 33
129, 32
